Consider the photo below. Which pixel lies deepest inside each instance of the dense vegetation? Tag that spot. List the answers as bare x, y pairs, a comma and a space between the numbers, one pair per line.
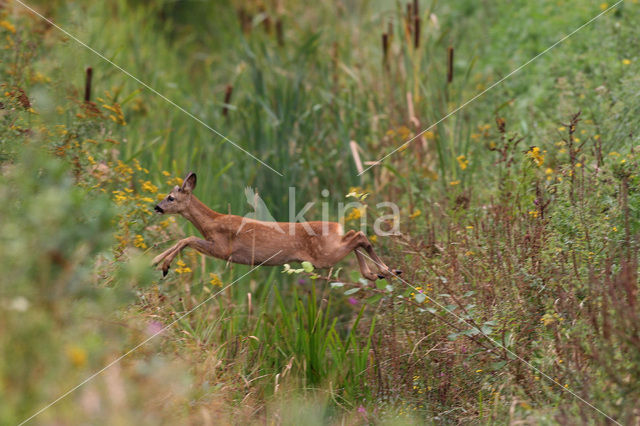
520, 213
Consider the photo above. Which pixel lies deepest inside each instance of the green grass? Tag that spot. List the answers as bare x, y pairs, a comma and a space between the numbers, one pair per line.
535, 248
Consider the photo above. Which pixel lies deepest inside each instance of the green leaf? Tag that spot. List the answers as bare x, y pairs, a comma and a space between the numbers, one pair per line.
352, 291
420, 297
307, 266
381, 284
336, 284
498, 365
471, 332
374, 298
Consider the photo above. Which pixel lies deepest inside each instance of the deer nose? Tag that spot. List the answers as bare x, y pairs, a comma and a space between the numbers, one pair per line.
158, 209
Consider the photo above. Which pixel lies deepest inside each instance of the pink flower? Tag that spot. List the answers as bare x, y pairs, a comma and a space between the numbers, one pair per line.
154, 327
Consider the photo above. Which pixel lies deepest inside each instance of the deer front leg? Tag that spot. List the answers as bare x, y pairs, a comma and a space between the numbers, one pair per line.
364, 268
360, 240
164, 254
203, 246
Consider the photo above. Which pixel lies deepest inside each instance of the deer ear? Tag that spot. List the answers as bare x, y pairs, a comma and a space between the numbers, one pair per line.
189, 182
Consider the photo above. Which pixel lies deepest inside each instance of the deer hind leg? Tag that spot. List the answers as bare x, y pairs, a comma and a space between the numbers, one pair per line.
203, 246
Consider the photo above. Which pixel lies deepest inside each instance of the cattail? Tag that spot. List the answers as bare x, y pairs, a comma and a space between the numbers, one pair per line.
267, 24
227, 99
385, 50
450, 64
87, 84
279, 32
245, 20
416, 31
408, 23
416, 24
334, 60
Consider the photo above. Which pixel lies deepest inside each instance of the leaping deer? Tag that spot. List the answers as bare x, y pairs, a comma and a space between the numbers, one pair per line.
252, 242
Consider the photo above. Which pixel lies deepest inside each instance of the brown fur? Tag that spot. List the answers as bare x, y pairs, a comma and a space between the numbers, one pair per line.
253, 242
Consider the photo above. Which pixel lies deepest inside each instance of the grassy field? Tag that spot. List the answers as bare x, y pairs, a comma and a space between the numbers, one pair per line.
519, 212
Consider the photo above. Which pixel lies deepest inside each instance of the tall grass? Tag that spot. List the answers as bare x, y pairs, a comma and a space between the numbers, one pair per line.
520, 216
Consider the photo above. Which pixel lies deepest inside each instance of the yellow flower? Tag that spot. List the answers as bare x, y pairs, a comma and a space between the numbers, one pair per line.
469, 226
166, 173
357, 192
562, 129
149, 187
123, 169
174, 181
182, 268
8, 26
118, 115
120, 197
533, 213
138, 241
138, 167
373, 239
215, 280
462, 161
77, 355
479, 370
536, 155
547, 319
404, 132
604, 6
355, 214
38, 77
415, 214
454, 182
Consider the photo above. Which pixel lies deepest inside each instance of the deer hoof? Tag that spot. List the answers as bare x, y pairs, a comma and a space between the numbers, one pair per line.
397, 272
381, 276
165, 271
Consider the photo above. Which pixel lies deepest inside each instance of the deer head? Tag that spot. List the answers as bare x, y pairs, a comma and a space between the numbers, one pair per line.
179, 198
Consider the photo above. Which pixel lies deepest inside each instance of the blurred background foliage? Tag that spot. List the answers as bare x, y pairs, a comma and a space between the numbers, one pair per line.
520, 217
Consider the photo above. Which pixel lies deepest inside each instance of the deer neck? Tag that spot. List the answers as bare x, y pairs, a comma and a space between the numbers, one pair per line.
199, 214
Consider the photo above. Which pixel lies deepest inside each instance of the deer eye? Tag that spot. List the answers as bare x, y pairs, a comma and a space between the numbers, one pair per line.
170, 198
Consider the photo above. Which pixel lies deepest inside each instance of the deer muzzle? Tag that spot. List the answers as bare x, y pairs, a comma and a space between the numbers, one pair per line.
159, 209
